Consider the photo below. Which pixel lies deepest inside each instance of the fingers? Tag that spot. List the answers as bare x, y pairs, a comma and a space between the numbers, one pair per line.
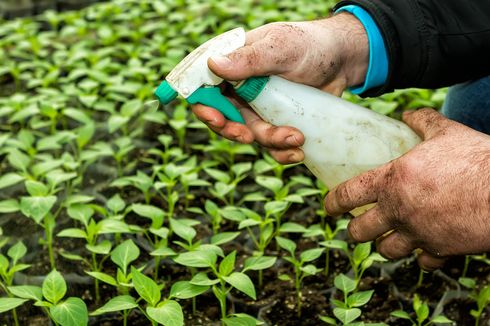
394, 245
282, 142
429, 262
271, 136
287, 156
356, 192
369, 226
426, 122
217, 122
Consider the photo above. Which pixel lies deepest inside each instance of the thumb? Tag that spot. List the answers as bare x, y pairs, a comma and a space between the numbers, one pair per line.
426, 122
257, 59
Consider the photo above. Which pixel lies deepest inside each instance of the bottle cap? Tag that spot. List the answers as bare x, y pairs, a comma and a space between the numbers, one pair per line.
251, 88
165, 93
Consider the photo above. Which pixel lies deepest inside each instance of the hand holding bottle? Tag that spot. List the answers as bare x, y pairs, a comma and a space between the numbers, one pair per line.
330, 54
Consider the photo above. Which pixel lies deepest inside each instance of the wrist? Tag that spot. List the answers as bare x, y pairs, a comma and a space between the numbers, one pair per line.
353, 47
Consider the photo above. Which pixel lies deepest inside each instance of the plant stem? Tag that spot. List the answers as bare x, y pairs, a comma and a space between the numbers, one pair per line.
48, 230
327, 262
261, 276
125, 317
157, 265
14, 314
297, 282
466, 264
97, 293
421, 278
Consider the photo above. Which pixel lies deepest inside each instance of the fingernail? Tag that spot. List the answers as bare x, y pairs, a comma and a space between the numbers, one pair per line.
221, 61
295, 157
292, 140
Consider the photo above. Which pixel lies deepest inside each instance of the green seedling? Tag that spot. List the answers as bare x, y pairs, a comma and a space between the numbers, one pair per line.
164, 311
328, 236
361, 258
69, 312
90, 231
225, 278
141, 181
38, 207
301, 268
421, 309
225, 151
226, 183
348, 310
481, 297
7, 273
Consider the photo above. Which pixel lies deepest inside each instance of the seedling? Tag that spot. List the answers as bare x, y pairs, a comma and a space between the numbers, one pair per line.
69, 312
347, 311
225, 277
90, 232
300, 269
421, 309
7, 272
481, 297
329, 238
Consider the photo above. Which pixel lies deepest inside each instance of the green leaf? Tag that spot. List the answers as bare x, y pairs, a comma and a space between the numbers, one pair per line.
10, 179
7, 304
272, 183
17, 251
291, 227
310, 269
241, 282
54, 287
72, 312
328, 320
361, 252
335, 244
467, 282
347, 316
286, 244
168, 313
102, 248
115, 204
441, 319
359, 299
27, 292
311, 254
106, 278
146, 287
344, 283
186, 290
240, 320
108, 226
203, 279
80, 212
258, 263
9, 206
400, 314
198, 258
284, 277
37, 207
124, 254
35, 188
119, 303
163, 252
182, 230
72, 233
223, 237
227, 264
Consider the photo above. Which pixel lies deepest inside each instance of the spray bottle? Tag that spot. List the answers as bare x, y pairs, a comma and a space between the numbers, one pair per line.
342, 139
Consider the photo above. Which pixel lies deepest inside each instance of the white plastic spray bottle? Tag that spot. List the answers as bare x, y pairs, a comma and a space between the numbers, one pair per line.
342, 139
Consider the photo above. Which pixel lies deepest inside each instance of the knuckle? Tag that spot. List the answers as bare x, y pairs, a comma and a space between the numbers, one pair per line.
355, 231
343, 196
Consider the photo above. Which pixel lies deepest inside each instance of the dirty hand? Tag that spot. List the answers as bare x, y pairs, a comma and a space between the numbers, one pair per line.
435, 197
331, 54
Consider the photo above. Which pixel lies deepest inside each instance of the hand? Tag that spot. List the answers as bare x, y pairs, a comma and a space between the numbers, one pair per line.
330, 54
435, 197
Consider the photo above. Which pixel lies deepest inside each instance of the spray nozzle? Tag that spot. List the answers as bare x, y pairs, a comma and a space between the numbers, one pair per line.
193, 80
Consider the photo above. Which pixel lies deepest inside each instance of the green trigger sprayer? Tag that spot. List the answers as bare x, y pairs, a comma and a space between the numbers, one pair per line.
342, 139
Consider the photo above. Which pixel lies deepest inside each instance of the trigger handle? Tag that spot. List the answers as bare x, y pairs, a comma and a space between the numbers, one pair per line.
211, 96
